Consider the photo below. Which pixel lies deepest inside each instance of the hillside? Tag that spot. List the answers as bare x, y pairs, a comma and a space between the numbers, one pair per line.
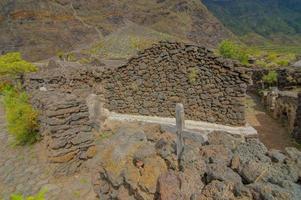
40, 29
276, 20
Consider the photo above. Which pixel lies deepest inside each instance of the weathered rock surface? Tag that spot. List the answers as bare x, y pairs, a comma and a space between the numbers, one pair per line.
129, 162
226, 167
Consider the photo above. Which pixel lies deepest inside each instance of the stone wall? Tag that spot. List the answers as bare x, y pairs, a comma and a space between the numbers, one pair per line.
287, 78
66, 77
212, 89
297, 129
283, 106
66, 128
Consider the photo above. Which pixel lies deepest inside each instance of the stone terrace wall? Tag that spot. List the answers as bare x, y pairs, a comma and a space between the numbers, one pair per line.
297, 130
287, 78
212, 89
282, 105
71, 78
65, 125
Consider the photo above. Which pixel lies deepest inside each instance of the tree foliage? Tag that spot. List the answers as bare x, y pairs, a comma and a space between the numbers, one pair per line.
13, 64
20, 115
229, 49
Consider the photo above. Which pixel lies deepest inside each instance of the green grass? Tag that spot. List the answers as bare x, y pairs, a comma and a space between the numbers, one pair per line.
267, 57
271, 58
105, 135
39, 196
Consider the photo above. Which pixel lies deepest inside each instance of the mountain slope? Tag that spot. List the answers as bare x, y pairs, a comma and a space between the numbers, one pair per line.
263, 17
40, 28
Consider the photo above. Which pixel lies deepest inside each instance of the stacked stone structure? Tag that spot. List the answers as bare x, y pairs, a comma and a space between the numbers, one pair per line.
66, 128
285, 107
287, 78
297, 128
211, 89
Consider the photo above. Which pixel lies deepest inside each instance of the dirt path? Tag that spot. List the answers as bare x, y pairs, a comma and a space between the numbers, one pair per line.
24, 171
270, 131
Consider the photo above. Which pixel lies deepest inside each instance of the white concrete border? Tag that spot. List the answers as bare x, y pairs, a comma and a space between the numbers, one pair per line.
199, 127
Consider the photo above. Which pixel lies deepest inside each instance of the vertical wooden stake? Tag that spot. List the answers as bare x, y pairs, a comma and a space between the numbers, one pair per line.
180, 123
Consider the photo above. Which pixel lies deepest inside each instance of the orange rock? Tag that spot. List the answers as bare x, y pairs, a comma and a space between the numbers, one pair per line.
64, 158
91, 152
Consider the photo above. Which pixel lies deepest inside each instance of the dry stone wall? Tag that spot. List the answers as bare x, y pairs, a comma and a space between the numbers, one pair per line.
66, 128
297, 129
285, 107
287, 78
212, 89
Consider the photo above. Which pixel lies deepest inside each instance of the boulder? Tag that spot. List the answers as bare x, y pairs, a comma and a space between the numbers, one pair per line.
297, 64
178, 185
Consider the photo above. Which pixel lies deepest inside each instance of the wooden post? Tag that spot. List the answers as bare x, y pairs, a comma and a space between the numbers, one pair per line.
180, 123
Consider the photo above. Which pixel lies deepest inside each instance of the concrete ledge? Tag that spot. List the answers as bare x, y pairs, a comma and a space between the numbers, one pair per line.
191, 127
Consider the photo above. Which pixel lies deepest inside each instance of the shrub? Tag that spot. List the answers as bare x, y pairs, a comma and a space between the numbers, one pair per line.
13, 64
283, 63
270, 78
20, 116
192, 76
39, 196
85, 60
60, 55
261, 63
231, 50
71, 57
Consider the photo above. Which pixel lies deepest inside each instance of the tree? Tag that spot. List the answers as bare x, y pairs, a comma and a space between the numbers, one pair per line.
13, 64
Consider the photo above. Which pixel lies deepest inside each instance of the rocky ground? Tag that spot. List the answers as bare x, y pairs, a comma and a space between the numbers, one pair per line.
140, 163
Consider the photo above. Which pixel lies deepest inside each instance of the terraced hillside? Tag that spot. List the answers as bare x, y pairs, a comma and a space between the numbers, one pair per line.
40, 29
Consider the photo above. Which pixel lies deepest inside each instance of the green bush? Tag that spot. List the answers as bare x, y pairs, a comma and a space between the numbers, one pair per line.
70, 57
39, 196
270, 78
60, 55
231, 50
13, 64
192, 76
21, 117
